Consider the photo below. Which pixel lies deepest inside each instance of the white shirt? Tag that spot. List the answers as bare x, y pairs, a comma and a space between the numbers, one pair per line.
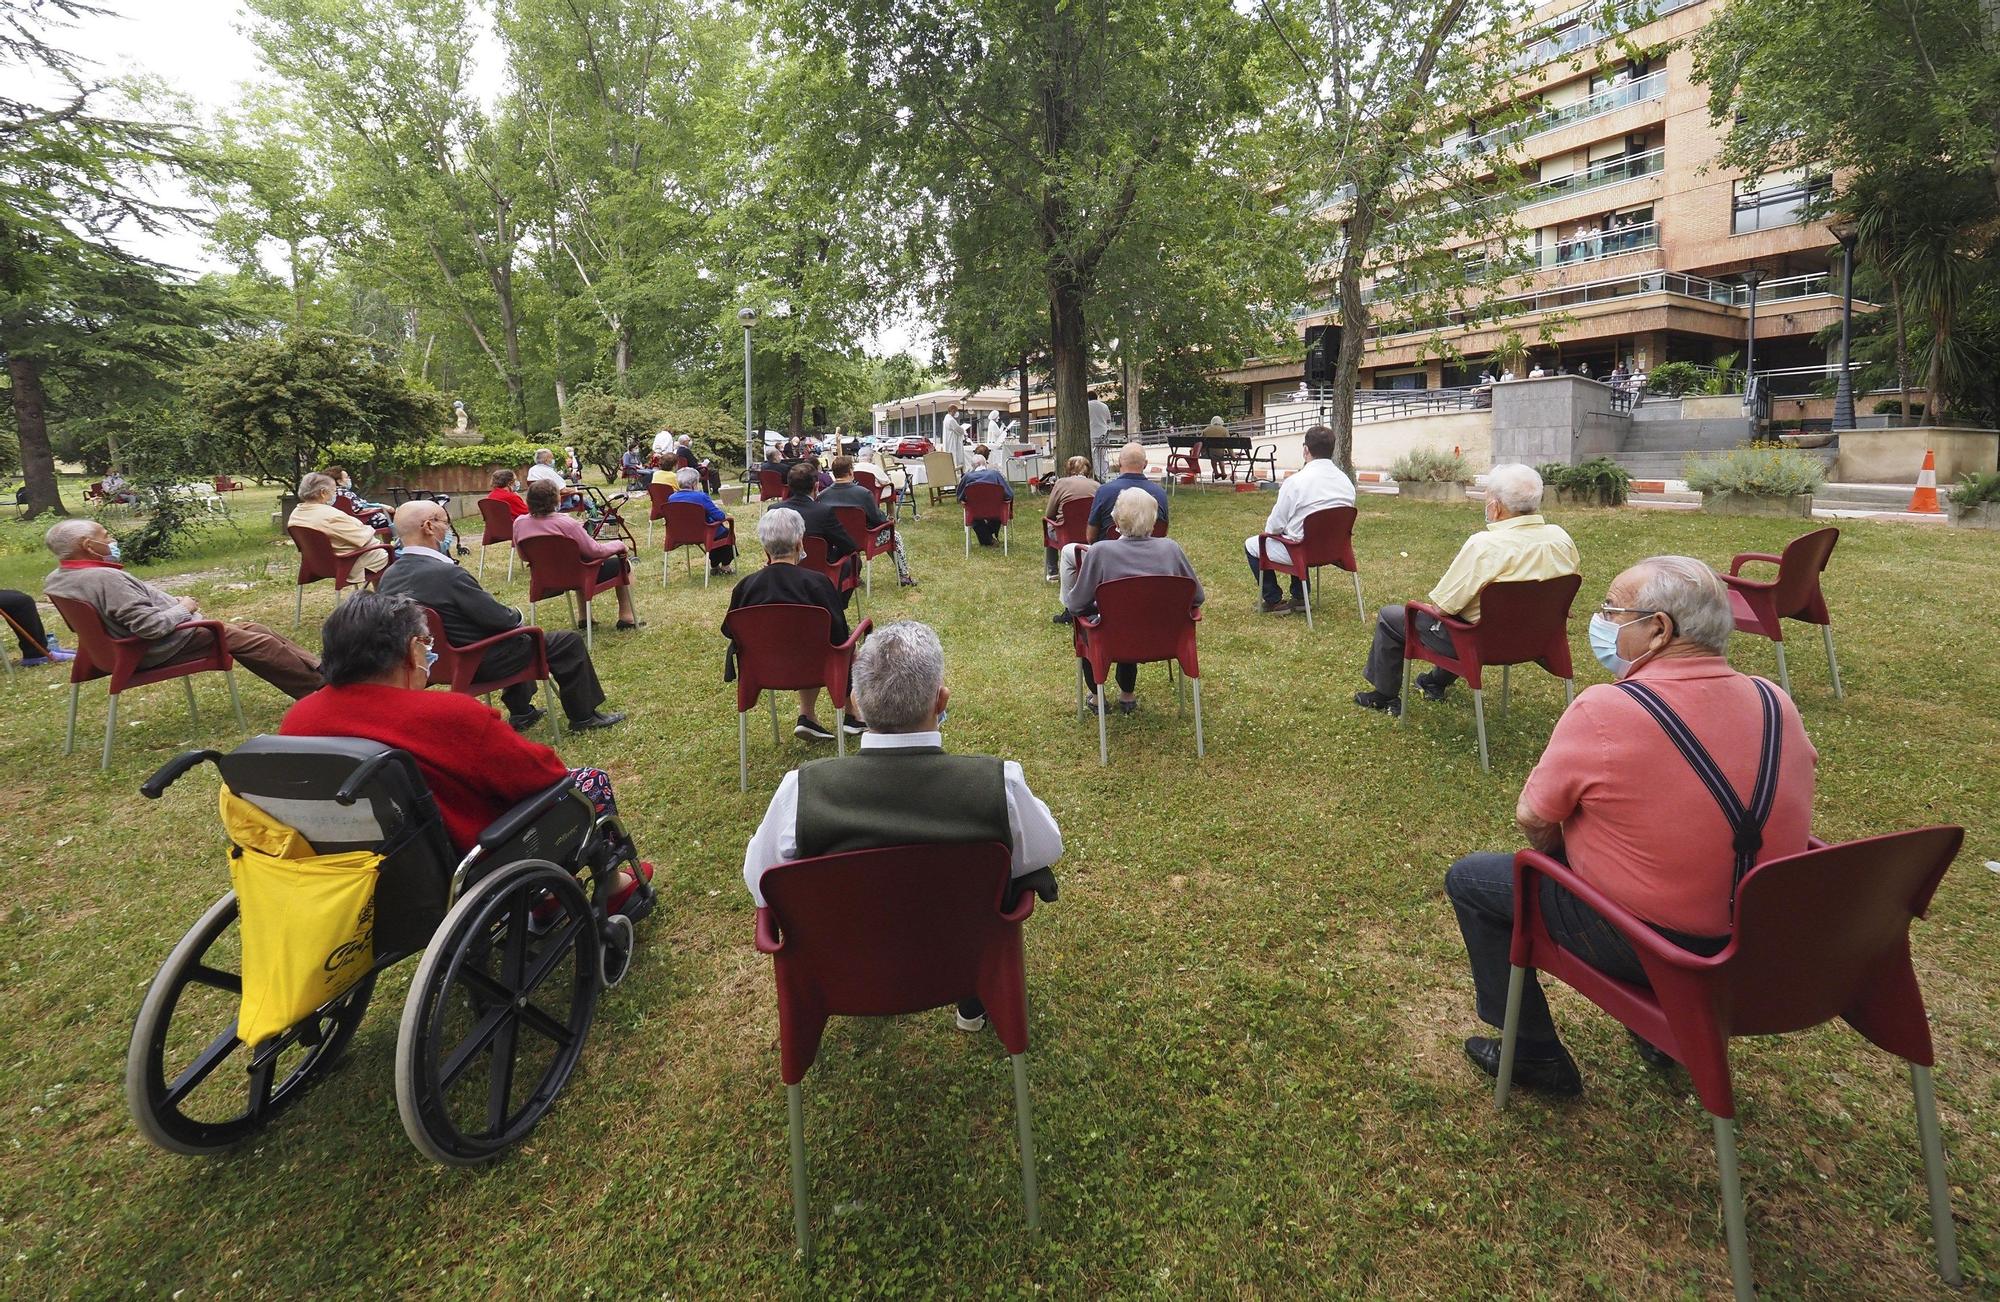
951, 433
1037, 839
662, 441
413, 551
538, 471
1100, 420
1319, 485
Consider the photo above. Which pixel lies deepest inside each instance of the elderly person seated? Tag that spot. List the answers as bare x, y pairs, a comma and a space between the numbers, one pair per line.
1076, 484
846, 492
378, 656
349, 535
1517, 545
978, 470
802, 496
1131, 474
1133, 552
373, 514
1319, 484
784, 582
683, 454
544, 472
503, 493
722, 559
902, 778
544, 521
115, 489
1621, 802
24, 620
429, 577
91, 572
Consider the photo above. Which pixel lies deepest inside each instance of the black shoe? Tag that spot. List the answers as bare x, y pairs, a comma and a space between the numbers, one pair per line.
1651, 1054
1278, 607
523, 722
852, 726
1374, 700
627, 625
1129, 707
1555, 1075
907, 583
1062, 617
1432, 689
599, 720
808, 727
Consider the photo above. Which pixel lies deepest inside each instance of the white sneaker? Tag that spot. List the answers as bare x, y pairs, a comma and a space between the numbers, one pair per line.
969, 1023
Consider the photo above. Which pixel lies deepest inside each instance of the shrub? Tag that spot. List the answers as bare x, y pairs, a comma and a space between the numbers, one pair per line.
1977, 490
1674, 378
1757, 472
1426, 465
404, 458
1599, 475
1894, 407
600, 426
1723, 380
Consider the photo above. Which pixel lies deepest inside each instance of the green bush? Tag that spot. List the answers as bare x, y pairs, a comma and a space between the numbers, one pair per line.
405, 458
1426, 465
600, 426
1894, 407
1597, 476
1674, 378
1757, 472
1723, 380
1977, 490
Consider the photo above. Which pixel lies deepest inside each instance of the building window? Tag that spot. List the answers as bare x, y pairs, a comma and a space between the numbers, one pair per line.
1778, 203
1408, 380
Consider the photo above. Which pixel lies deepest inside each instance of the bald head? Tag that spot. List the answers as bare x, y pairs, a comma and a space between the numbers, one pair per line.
1132, 458
421, 524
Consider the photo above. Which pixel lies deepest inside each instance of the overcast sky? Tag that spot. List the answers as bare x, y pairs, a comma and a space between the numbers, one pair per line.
198, 47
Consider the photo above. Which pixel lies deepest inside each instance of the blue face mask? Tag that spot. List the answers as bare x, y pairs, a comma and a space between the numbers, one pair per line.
430, 661
1604, 645
113, 552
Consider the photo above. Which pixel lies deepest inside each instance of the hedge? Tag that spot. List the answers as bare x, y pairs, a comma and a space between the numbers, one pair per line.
424, 456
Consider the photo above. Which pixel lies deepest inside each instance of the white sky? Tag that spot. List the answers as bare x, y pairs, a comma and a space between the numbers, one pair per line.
198, 47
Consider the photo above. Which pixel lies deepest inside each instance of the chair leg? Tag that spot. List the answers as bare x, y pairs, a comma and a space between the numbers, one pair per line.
1309, 604
1403, 714
298, 605
706, 568
510, 562
868, 578
795, 1123
1784, 674
1942, 1231
1569, 691
1732, 1209
110, 730
1079, 695
1004, 534
968, 542
482, 563
663, 569
1506, 683
1510, 1036
1479, 721
69, 733
1200, 751
742, 750
839, 730
194, 713
589, 645
1103, 748
1024, 1119
1359, 609
1832, 662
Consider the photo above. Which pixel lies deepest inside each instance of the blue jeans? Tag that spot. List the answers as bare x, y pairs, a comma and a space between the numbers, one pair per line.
1269, 578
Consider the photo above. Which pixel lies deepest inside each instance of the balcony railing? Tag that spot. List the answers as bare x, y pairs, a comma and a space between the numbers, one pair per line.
1558, 44
1609, 100
1598, 291
1596, 246
1611, 171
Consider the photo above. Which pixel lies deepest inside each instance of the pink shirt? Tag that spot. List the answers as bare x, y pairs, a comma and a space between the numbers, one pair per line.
1637, 822
563, 526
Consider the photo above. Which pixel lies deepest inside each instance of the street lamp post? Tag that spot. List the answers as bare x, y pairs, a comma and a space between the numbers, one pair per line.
1753, 278
1843, 394
748, 316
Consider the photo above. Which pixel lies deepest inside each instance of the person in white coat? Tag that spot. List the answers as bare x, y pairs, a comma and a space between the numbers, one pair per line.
1320, 484
952, 436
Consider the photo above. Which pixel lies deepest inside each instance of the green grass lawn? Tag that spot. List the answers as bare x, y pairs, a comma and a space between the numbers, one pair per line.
1247, 1004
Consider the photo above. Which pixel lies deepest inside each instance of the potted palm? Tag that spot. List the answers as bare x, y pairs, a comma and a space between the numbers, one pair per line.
1756, 481
1599, 481
1431, 476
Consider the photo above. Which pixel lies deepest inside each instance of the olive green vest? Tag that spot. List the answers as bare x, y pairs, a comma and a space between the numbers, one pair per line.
915, 796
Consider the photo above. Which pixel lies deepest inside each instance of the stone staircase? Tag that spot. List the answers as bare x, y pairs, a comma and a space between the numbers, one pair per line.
1660, 441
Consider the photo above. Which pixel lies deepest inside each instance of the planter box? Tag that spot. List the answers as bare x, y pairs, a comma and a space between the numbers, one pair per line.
1756, 504
1598, 497
1423, 490
1984, 516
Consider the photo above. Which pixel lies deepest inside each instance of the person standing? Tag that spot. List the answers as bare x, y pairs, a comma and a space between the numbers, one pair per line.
1100, 425
953, 437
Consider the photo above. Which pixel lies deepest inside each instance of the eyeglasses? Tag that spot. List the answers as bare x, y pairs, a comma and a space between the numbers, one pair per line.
1608, 609
426, 639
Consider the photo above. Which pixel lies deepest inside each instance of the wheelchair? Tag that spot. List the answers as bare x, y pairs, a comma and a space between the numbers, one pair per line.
516, 939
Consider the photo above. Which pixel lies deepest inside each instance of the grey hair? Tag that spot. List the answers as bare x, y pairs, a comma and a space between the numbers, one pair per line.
65, 537
976, 462
1690, 594
543, 454
316, 485
1517, 486
897, 674
782, 532
687, 476
1134, 513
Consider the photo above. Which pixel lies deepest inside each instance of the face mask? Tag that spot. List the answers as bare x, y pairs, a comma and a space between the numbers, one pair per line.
112, 551
430, 661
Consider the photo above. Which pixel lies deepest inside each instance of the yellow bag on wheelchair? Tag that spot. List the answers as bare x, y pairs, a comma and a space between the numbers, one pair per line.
307, 920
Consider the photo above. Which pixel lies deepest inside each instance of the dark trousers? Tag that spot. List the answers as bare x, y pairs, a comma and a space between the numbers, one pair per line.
1126, 674
1385, 657
1481, 890
987, 531
1270, 581
569, 663
1050, 559
27, 623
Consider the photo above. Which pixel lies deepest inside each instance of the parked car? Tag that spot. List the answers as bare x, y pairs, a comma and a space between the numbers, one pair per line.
913, 446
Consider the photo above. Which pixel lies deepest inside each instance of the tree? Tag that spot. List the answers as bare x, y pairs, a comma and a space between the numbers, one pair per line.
76, 308
278, 404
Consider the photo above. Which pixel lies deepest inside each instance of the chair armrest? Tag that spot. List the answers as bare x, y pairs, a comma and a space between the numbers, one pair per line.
371, 547
846, 648
512, 823
1649, 944
1451, 622
529, 631
768, 939
1737, 583
1737, 564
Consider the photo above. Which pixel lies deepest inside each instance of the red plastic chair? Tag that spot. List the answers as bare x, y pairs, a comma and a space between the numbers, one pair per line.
556, 567
100, 655
1817, 935
1071, 525
1184, 463
1519, 623
986, 502
879, 541
224, 484
783, 647
318, 560
657, 493
885, 495
497, 526
457, 667
1761, 606
1329, 540
879, 933
770, 486
688, 526
1145, 618
1111, 530
845, 576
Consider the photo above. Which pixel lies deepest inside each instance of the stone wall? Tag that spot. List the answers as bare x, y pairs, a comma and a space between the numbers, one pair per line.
1894, 456
1561, 418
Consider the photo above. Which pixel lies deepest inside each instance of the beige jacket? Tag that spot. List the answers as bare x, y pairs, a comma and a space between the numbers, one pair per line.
348, 533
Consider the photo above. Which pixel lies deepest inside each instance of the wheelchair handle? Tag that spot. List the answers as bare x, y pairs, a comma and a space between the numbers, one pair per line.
351, 788
171, 772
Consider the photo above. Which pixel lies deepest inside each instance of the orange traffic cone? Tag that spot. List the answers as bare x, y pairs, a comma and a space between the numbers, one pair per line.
1925, 500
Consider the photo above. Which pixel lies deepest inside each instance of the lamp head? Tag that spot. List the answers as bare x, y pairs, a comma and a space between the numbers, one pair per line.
1755, 276
1846, 230
747, 317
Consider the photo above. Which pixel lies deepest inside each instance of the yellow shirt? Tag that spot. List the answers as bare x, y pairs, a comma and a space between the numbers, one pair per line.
348, 533
1521, 548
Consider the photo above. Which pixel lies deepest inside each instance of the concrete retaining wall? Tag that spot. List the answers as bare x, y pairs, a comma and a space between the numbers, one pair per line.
1894, 456
1561, 418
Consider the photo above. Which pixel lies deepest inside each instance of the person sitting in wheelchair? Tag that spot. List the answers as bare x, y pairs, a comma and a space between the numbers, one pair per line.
375, 655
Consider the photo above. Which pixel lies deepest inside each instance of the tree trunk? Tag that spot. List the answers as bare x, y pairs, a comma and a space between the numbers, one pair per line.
1353, 331
1131, 368
38, 462
1025, 422
795, 394
1070, 351
562, 403
1902, 343
622, 356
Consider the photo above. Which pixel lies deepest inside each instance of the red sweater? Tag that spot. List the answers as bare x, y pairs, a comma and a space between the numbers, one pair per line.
477, 767
516, 504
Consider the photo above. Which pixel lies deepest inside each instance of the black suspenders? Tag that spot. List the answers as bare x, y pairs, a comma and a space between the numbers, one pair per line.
1746, 823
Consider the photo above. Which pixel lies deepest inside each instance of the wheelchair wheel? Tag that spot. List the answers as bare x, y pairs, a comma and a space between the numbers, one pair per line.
192, 1086
497, 1014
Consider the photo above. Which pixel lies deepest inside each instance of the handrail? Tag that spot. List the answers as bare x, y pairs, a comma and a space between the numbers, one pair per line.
1626, 167
1609, 100
1649, 282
